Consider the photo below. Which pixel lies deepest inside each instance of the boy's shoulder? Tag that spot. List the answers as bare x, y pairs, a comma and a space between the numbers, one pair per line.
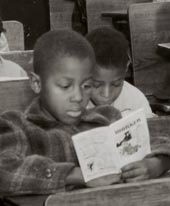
17, 117
131, 98
130, 94
127, 87
11, 121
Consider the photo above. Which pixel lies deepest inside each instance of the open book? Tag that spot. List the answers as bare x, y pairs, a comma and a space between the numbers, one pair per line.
104, 150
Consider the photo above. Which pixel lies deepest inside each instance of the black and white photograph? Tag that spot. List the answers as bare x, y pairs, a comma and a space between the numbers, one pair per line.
84, 102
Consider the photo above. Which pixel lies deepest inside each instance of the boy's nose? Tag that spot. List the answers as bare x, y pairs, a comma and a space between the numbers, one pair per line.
77, 95
106, 92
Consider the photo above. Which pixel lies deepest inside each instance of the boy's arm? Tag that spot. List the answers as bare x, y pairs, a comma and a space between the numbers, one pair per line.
148, 168
32, 174
25, 172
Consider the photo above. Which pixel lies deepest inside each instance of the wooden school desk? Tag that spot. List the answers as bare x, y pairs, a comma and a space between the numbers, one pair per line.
164, 49
116, 15
14, 31
146, 193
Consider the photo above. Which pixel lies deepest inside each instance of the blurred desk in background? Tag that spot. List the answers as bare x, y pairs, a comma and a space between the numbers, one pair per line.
116, 15
164, 49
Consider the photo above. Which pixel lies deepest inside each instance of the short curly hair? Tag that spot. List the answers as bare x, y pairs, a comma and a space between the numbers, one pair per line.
57, 44
110, 47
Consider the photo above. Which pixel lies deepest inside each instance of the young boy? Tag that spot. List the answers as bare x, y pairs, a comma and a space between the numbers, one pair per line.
36, 150
111, 50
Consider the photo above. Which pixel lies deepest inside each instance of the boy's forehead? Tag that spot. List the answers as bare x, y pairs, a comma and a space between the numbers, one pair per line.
112, 73
110, 67
71, 65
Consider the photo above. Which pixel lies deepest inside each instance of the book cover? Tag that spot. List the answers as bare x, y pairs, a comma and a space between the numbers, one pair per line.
104, 150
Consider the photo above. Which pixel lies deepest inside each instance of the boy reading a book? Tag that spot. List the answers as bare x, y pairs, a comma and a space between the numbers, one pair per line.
110, 87
36, 151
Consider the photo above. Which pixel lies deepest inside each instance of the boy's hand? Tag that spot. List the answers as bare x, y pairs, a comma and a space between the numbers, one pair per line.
103, 181
75, 177
147, 168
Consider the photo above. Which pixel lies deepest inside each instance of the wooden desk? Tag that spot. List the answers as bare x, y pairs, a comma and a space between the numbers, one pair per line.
164, 49
28, 200
116, 15
119, 20
146, 193
149, 26
159, 106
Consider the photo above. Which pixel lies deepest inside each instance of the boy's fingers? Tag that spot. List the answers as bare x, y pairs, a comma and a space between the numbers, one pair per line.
131, 174
136, 179
129, 167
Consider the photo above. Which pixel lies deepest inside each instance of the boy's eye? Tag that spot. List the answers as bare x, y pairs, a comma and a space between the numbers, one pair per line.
64, 86
97, 85
117, 83
87, 86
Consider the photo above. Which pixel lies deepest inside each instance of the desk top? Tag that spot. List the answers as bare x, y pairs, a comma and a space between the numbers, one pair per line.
28, 200
164, 49
116, 15
164, 45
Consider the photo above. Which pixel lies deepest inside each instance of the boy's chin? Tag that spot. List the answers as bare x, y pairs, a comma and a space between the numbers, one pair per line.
72, 120
101, 102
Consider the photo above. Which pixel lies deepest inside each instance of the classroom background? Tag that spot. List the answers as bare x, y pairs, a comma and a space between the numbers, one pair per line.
146, 25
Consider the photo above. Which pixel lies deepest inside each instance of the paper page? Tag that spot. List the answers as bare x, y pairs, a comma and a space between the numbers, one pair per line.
95, 151
131, 138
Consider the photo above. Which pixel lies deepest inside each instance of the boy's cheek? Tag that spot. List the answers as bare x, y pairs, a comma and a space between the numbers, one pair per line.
95, 93
87, 94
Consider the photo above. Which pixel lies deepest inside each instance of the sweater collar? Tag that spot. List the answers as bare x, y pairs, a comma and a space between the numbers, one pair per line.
36, 113
102, 115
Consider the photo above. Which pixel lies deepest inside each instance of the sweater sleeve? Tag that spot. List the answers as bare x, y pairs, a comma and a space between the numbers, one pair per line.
22, 171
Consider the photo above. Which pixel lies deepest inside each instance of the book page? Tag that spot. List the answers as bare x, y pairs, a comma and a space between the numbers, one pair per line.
95, 151
131, 138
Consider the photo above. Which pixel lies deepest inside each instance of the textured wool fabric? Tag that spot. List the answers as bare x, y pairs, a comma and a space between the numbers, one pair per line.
36, 151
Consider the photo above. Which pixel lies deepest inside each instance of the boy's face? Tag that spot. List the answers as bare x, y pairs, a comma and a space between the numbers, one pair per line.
107, 85
66, 91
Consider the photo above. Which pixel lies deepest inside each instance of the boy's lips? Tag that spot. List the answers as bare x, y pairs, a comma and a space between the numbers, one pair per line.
105, 102
74, 113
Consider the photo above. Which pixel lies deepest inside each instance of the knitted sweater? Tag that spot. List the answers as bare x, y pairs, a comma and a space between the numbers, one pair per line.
36, 151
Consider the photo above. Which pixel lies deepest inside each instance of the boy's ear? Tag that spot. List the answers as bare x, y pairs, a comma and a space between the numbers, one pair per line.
35, 82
